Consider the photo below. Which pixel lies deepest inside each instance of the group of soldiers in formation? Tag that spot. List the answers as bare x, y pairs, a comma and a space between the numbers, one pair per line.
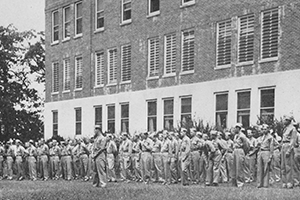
167, 157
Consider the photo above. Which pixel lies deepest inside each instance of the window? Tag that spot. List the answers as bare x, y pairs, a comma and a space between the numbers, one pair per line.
243, 108
188, 50
186, 111
168, 114
221, 110
78, 121
78, 18
67, 23
99, 68
98, 115
126, 62
152, 112
187, 2
170, 54
153, 56
270, 34
246, 38
66, 74
99, 14
126, 11
55, 77
111, 118
55, 123
55, 27
78, 72
153, 7
224, 43
125, 118
267, 104
112, 66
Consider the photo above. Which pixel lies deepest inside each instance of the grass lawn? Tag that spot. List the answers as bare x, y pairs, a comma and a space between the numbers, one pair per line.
74, 190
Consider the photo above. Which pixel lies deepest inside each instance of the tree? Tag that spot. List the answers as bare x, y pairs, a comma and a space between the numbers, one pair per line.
20, 104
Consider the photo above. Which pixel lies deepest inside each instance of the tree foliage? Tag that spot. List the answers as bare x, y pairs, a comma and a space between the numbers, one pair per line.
20, 103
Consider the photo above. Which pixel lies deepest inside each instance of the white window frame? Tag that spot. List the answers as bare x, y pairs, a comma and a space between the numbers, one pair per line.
152, 116
101, 70
122, 67
53, 78
168, 115
124, 118
66, 77
112, 82
172, 73
151, 14
181, 49
76, 18
122, 12
76, 58
217, 41
149, 56
66, 22
96, 16
243, 109
239, 36
260, 98
53, 27
189, 3
261, 35
221, 111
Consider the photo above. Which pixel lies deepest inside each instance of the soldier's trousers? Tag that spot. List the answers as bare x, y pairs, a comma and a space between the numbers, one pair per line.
263, 169
100, 170
203, 167
223, 170
185, 164
44, 166
90, 166
146, 164
287, 163
166, 166
213, 171
111, 174
19, 164
66, 165
32, 167
136, 166
195, 166
9, 162
1, 166
38, 167
229, 164
173, 168
238, 167
126, 166
83, 158
276, 165
54, 166
76, 166
157, 166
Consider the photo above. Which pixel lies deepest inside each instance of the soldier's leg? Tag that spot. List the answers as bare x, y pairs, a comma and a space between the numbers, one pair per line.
290, 170
101, 171
266, 168
283, 165
216, 168
68, 167
260, 170
240, 167
173, 169
158, 165
45, 167
1, 166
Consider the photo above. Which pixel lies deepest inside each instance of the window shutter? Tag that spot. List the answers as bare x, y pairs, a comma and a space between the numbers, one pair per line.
99, 68
188, 50
67, 74
153, 56
55, 77
224, 43
126, 63
246, 38
112, 65
79, 72
170, 54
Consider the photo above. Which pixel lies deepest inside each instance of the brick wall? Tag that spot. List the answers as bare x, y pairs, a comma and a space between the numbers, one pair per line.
202, 16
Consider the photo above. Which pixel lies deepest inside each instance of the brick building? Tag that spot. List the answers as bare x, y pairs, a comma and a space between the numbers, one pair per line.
137, 65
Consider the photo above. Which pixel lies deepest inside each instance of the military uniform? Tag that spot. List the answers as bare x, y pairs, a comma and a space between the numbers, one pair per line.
54, 153
10, 153
126, 149
146, 158
66, 162
229, 158
185, 159
32, 152
136, 160
166, 154
2, 152
44, 167
250, 161
111, 150
195, 159
20, 152
173, 160
83, 159
157, 165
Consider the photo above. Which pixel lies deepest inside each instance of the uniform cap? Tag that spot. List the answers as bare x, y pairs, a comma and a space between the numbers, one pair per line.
239, 125
18, 141
288, 117
97, 126
213, 132
227, 134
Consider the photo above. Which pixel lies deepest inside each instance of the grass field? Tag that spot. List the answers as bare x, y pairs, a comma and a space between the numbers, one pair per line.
74, 190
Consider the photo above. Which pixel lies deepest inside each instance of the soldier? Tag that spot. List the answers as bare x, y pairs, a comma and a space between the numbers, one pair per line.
297, 158
19, 152
223, 149
184, 156
174, 157
66, 160
166, 153
91, 161
75, 158
287, 154
32, 152
157, 159
240, 143
111, 151
251, 158
126, 150
10, 154
229, 155
99, 156
83, 159
195, 156
275, 163
146, 146
136, 158
38, 159
54, 160
44, 153
2, 152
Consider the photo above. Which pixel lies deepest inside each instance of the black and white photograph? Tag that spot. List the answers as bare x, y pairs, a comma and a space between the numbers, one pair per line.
149, 99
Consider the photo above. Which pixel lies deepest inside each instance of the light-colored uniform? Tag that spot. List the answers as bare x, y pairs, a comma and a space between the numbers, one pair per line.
157, 164
251, 161
9, 161
174, 160
166, 154
297, 160
265, 153
185, 158
229, 158
54, 153
287, 154
111, 150
32, 152
20, 152
146, 158
136, 160
2, 152
196, 145
126, 149
44, 151
222, 144
66, 162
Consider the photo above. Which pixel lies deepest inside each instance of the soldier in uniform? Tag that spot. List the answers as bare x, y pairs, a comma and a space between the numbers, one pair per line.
174, 157
66, 160
20, 152
111, 151
157, 159
91, 161
223, 149
287, 154
195, 156
265, 144
240, 143
44, 153
184, 156
166, 153
83, 153
251, 158
126, 150
146, 157
10, 154
54, 160
136, 158
229, 155
32, 152
99, 156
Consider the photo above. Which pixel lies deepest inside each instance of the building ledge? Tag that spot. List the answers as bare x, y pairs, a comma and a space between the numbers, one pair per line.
66, 91
127, 22
99, 86
54, 93
245, 63
111, 84
223, 67
268, 60
66, 39
125, 82
169, 75
78, 36
187, 72
152, 78
54, 43
188, 4
99, 30
156, 13
78, 90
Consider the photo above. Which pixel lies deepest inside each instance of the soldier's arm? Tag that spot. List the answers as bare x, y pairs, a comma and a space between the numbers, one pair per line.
130, 148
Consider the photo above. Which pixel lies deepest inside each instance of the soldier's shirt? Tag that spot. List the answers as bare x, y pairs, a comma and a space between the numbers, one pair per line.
126, 146
54, 151
166, 146
229, 143
185, 147
157, 146
111, 147
210, 147
195, 143
266, 142
174, 146
239, 140
20, 150
2, 151
289, 135
147, 145
44, 149
136, 147
99, 145
32, 151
